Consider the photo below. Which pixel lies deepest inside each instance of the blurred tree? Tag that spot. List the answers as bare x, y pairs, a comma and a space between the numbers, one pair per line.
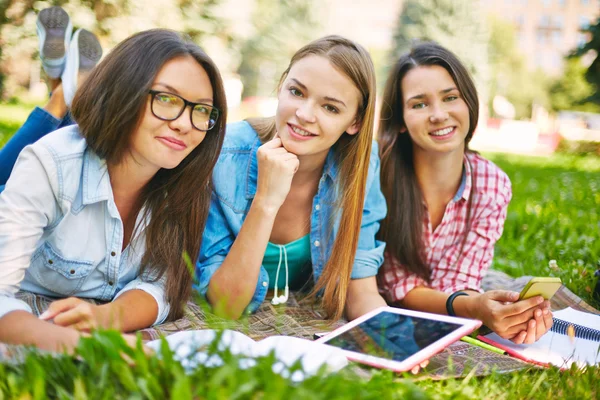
510, 76
281, 27
455, 24
592, 49
572, 90
112, 21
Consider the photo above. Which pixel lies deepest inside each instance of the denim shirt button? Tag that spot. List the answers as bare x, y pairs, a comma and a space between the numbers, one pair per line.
317, 243
317, 207
110, 283
112, 253
265, 284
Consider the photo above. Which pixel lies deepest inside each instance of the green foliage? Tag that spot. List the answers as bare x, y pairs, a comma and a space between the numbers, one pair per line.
554, 214
105, 368
280, 29
592, 48
455, 24
572, 90
11, 119
510, 76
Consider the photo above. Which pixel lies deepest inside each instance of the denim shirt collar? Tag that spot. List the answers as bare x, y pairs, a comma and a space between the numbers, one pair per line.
330, 170
95, 179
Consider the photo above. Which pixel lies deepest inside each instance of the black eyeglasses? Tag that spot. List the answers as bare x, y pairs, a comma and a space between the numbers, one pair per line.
168, 107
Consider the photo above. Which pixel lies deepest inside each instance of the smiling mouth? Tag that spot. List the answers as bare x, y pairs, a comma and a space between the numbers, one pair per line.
300, 131
172, 142
442, 132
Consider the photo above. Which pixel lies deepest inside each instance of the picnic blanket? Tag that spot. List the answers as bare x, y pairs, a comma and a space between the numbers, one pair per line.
298, 319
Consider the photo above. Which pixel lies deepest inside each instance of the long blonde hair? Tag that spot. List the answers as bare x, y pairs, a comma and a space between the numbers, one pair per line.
353, 154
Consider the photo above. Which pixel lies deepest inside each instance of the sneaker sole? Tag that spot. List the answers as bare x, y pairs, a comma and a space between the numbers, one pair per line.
56, 23
83, 55
90, 50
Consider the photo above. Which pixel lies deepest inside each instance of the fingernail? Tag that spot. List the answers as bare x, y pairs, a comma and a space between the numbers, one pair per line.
44, 315
533, 324
546, 311
540, 300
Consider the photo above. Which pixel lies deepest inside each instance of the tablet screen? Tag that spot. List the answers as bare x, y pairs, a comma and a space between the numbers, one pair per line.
392, 336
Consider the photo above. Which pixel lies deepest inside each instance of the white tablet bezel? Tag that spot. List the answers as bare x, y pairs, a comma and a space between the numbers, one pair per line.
466, 327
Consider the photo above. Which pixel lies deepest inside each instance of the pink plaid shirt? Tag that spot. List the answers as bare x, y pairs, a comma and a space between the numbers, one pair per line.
451, 271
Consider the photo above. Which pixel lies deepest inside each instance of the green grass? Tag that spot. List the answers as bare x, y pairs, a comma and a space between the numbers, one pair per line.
11, 118
554, 214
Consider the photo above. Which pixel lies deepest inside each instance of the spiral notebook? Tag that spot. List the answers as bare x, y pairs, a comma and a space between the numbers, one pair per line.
558, 347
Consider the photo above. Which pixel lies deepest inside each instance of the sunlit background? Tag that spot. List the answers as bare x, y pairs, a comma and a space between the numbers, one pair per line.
529, 57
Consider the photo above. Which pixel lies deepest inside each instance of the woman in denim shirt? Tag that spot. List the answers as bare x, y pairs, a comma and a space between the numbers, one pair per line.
104, 210
304, 183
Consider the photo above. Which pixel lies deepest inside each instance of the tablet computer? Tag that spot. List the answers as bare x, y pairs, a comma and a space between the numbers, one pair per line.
398, 339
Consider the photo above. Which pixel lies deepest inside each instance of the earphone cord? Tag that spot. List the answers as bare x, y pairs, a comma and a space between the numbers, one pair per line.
286, 293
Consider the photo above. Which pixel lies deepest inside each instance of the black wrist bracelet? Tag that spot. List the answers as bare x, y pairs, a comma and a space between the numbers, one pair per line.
449, 307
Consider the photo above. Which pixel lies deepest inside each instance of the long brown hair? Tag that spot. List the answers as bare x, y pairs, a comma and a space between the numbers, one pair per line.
353, 154
402, 229
109, 107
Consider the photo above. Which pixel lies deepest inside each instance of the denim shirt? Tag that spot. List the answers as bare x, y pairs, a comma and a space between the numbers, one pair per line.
235, 179
60, 231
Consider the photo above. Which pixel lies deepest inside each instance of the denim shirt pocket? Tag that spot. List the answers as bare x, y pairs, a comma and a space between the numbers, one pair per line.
57, 273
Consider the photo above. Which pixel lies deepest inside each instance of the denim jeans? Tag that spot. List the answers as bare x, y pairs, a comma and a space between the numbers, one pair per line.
39, 123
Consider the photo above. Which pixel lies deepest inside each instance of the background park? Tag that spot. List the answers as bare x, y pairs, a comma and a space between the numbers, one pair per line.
537, 65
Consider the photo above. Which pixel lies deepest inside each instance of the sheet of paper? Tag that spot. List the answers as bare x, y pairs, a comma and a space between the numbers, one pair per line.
578, 317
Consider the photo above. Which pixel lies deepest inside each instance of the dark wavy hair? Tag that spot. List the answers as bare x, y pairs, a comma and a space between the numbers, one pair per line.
109, 107
402, 229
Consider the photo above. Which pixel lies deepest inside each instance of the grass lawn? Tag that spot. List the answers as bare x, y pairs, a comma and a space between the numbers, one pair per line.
554, 214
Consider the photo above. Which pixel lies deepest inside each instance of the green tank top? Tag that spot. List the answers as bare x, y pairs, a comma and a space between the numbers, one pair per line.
298, 263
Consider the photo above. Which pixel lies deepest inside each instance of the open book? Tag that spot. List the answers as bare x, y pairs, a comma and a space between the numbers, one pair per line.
558, 346
190, 348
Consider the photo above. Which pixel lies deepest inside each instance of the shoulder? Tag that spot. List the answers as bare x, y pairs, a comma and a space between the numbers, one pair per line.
239, 136
64, 142
62, 155
489, 180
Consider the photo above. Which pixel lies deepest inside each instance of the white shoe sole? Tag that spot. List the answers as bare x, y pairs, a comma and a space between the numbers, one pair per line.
83, 55
54, 30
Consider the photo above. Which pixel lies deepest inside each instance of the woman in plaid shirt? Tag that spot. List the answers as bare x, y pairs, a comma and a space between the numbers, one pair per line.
446, 204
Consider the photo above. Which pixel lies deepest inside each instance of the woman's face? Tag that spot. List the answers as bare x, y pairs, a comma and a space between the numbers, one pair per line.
435, 113
317, 104
164, 144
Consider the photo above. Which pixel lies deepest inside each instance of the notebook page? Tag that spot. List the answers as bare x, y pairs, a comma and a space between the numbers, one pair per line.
578, 317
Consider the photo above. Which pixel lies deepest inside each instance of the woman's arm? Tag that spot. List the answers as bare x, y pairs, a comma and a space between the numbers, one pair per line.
362, 297
21, 327
27, 206
233, 284
499, 310
133, 310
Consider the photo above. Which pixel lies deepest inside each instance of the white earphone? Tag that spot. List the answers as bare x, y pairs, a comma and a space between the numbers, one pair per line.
284, 297
280, 299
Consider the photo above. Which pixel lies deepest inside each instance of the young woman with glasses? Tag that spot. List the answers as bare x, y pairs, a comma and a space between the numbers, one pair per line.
296, 200
105, 210
446, 204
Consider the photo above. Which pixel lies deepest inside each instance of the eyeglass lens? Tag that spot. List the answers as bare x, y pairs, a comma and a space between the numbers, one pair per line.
169, 107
